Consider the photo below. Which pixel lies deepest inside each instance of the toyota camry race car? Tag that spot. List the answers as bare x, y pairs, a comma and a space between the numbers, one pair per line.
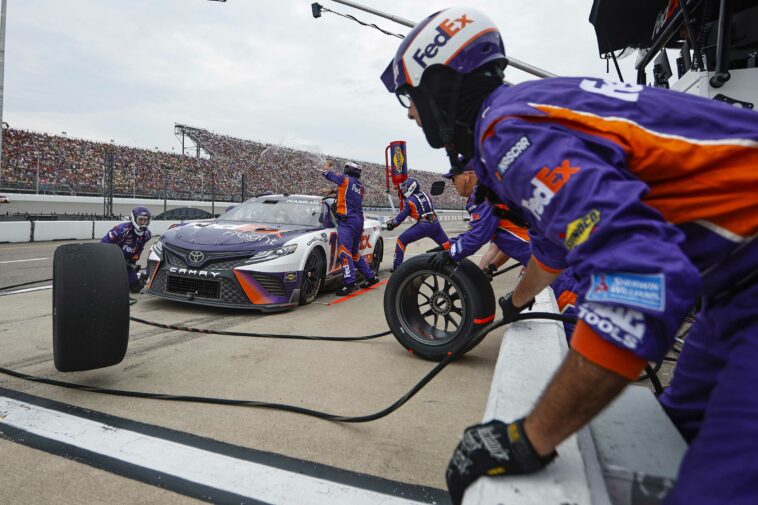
270, 253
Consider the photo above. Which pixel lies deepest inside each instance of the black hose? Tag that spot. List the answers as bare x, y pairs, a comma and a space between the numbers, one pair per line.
259, 335
455, 354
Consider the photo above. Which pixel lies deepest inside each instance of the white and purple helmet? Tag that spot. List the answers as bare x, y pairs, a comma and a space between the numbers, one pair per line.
140, 219
439, 63
460, 38
352, 169
409, 186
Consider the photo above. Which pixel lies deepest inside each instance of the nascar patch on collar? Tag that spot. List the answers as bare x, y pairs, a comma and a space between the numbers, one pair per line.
647, 291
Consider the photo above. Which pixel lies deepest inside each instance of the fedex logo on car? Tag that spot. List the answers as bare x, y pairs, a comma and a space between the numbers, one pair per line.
445, 31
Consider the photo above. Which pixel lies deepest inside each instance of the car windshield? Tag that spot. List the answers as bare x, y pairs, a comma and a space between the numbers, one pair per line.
284, 211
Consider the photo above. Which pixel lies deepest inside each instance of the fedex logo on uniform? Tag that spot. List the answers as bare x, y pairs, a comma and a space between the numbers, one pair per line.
546, 184
445, 31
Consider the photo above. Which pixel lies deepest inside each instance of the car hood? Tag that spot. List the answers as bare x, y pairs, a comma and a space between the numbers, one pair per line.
231, 235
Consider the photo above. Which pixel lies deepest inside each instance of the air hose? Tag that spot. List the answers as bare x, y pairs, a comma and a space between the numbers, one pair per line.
455, 354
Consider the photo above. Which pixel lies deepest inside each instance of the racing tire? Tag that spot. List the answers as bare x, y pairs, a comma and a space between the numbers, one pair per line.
90, 307
376, 260
432, 314
313, 277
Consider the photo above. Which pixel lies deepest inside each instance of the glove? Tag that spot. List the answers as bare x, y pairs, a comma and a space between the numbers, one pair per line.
391, 224
510, 311
436, 249
438, 261
489, 271
493, 448
134, 267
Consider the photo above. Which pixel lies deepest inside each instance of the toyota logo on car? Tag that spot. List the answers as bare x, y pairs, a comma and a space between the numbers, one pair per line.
196, 257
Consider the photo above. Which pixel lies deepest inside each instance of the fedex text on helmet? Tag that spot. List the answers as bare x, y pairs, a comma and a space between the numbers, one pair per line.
445, 31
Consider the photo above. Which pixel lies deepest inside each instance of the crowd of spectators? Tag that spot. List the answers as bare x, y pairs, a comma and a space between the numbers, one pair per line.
64, 165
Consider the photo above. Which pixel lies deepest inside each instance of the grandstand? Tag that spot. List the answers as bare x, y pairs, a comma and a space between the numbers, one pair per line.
58, 164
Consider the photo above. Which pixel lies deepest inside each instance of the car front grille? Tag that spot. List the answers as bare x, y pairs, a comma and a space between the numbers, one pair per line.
201, 288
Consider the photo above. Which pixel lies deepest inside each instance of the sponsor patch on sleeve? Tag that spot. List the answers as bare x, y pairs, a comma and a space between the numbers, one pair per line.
647, 291
625, 326
578, 230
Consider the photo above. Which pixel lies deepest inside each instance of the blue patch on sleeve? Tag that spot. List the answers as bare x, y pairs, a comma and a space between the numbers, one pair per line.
647, 291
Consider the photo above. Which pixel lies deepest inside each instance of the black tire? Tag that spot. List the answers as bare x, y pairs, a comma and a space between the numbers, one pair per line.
90, 307
313, 277
430, 313
376, 260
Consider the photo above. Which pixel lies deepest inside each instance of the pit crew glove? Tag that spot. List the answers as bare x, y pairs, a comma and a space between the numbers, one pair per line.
489, 271
510, 311
493, 448
134, 267
439, 259
391, 224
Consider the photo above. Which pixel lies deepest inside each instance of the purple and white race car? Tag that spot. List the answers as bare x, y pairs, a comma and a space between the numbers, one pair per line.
268, 253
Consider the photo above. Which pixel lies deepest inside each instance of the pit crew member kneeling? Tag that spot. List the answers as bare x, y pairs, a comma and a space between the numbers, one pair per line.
649, 196
350, 226
131, 237
418, 206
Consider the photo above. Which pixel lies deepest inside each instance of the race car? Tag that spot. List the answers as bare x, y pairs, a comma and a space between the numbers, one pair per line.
269, 253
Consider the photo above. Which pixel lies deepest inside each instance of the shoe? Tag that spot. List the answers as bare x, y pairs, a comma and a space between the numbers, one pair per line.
346, 290
369, 282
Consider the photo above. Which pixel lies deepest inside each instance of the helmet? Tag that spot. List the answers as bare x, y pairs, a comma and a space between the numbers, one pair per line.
409, 186
140, 219
352, 169
447, 65
230, 208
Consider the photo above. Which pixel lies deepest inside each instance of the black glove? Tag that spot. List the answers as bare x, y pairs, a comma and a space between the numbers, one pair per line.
510, 311
493, 448
489, 271
438, 261
134, 267
436, 249
391, 224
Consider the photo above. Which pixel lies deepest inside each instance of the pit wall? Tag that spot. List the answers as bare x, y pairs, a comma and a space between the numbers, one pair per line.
39, 231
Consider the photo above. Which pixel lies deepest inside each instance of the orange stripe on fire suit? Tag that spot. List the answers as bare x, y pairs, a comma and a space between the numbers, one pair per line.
342, 196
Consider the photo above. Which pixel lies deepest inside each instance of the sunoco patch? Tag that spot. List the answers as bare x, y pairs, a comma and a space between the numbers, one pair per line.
578, 230
639, 290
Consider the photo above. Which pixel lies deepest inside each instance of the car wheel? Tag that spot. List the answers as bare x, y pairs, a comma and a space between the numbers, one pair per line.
376, 260
313, 277
90, 307
431, 313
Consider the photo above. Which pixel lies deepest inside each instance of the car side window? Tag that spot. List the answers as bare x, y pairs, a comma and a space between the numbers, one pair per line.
327, 217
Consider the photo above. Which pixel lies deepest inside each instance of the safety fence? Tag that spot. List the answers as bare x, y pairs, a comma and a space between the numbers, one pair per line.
39, 231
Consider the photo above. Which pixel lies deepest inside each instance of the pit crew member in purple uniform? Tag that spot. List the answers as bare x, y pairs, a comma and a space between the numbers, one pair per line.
649, 196
350, 226
131, 237
418, 206
509, 237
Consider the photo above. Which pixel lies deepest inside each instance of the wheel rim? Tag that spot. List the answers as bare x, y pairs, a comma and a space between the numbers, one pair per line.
430, 308
311, 275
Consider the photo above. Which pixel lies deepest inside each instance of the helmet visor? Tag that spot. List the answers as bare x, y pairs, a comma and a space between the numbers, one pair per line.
142, 220
404, 98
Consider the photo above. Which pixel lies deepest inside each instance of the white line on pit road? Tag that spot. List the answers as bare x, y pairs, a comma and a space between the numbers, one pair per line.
233, 475
21, 261
26, 290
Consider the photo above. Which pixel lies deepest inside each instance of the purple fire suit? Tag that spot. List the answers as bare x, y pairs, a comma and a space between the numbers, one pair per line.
512, 240
650, 196
130, 243
419, 207
350, 225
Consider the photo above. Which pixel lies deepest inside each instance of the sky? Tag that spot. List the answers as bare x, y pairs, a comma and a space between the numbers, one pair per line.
264, 70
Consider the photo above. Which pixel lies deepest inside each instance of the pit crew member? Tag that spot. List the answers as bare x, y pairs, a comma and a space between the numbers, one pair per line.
649, 196
131, 237
418, 205
350, 225
510, 238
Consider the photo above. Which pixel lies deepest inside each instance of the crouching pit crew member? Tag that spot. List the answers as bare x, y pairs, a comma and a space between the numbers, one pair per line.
648, 195
350, 226
131, 237
418, 205
489, 223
